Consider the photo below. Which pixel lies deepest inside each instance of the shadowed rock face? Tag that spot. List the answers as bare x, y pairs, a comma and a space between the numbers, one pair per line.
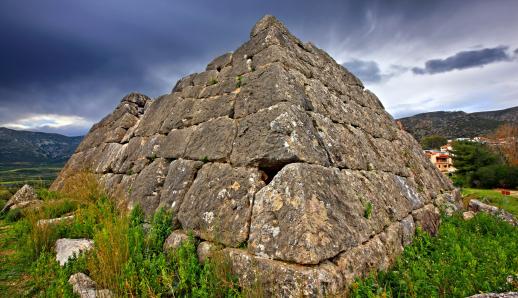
279, 149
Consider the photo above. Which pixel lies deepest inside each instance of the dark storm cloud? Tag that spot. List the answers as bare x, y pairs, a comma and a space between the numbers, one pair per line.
367, 71
465, 59
81, 57
370, 72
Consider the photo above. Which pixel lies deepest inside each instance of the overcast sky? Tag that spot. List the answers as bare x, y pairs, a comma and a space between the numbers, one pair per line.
66, 64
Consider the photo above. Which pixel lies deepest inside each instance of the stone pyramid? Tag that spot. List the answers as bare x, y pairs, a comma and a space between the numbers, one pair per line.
278, 156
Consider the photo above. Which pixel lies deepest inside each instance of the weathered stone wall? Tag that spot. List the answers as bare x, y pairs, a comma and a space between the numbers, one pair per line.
279, 149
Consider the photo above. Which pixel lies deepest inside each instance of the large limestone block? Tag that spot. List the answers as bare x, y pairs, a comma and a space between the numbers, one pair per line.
156, 114
114, 126
184, 82
378, 253
212, 140
307, 214
266, 88
175, 143
328, 104
109, 154
135, 155
275, 136
384, 193
226, 86
343, 144
205, 78
220, 62
180, 177
242, 57
279, 279
428, 218
267, 22
282, 55
218, 205
178, 116
389, 158
123, 190
189, 111
145, 190
342, 109
110, 181
68, 248
409, 191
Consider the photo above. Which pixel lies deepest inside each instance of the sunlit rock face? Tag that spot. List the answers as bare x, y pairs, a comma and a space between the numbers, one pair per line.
278, 156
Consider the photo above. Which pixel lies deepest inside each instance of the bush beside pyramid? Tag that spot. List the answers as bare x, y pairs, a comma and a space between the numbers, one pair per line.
277, 154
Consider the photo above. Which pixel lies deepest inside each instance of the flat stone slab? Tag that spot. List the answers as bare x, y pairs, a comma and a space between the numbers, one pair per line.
44, 222
85, 287
67, 248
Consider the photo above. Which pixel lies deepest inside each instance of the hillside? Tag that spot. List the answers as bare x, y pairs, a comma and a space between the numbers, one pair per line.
457, 124
27, 146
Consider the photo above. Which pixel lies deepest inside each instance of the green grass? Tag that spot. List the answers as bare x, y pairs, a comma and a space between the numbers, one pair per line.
492, 197
13, 175
466, 258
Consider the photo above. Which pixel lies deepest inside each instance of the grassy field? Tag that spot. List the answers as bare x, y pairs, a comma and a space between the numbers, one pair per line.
13, 175
492, 197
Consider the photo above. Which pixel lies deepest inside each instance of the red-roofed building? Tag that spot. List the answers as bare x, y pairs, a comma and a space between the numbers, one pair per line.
442, 160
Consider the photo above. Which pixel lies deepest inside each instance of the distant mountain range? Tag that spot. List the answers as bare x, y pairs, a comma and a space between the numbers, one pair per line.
458, 124
28, 146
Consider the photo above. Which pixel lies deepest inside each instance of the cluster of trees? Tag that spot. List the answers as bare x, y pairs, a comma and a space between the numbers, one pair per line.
480, 166
433, 142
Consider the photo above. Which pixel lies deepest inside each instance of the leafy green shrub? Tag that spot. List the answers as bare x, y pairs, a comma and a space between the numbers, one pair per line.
46, 194
433, 142
50, 279
368, 210
14, 215
467, 257
57, 208
495, 176
132, 262
240, 81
